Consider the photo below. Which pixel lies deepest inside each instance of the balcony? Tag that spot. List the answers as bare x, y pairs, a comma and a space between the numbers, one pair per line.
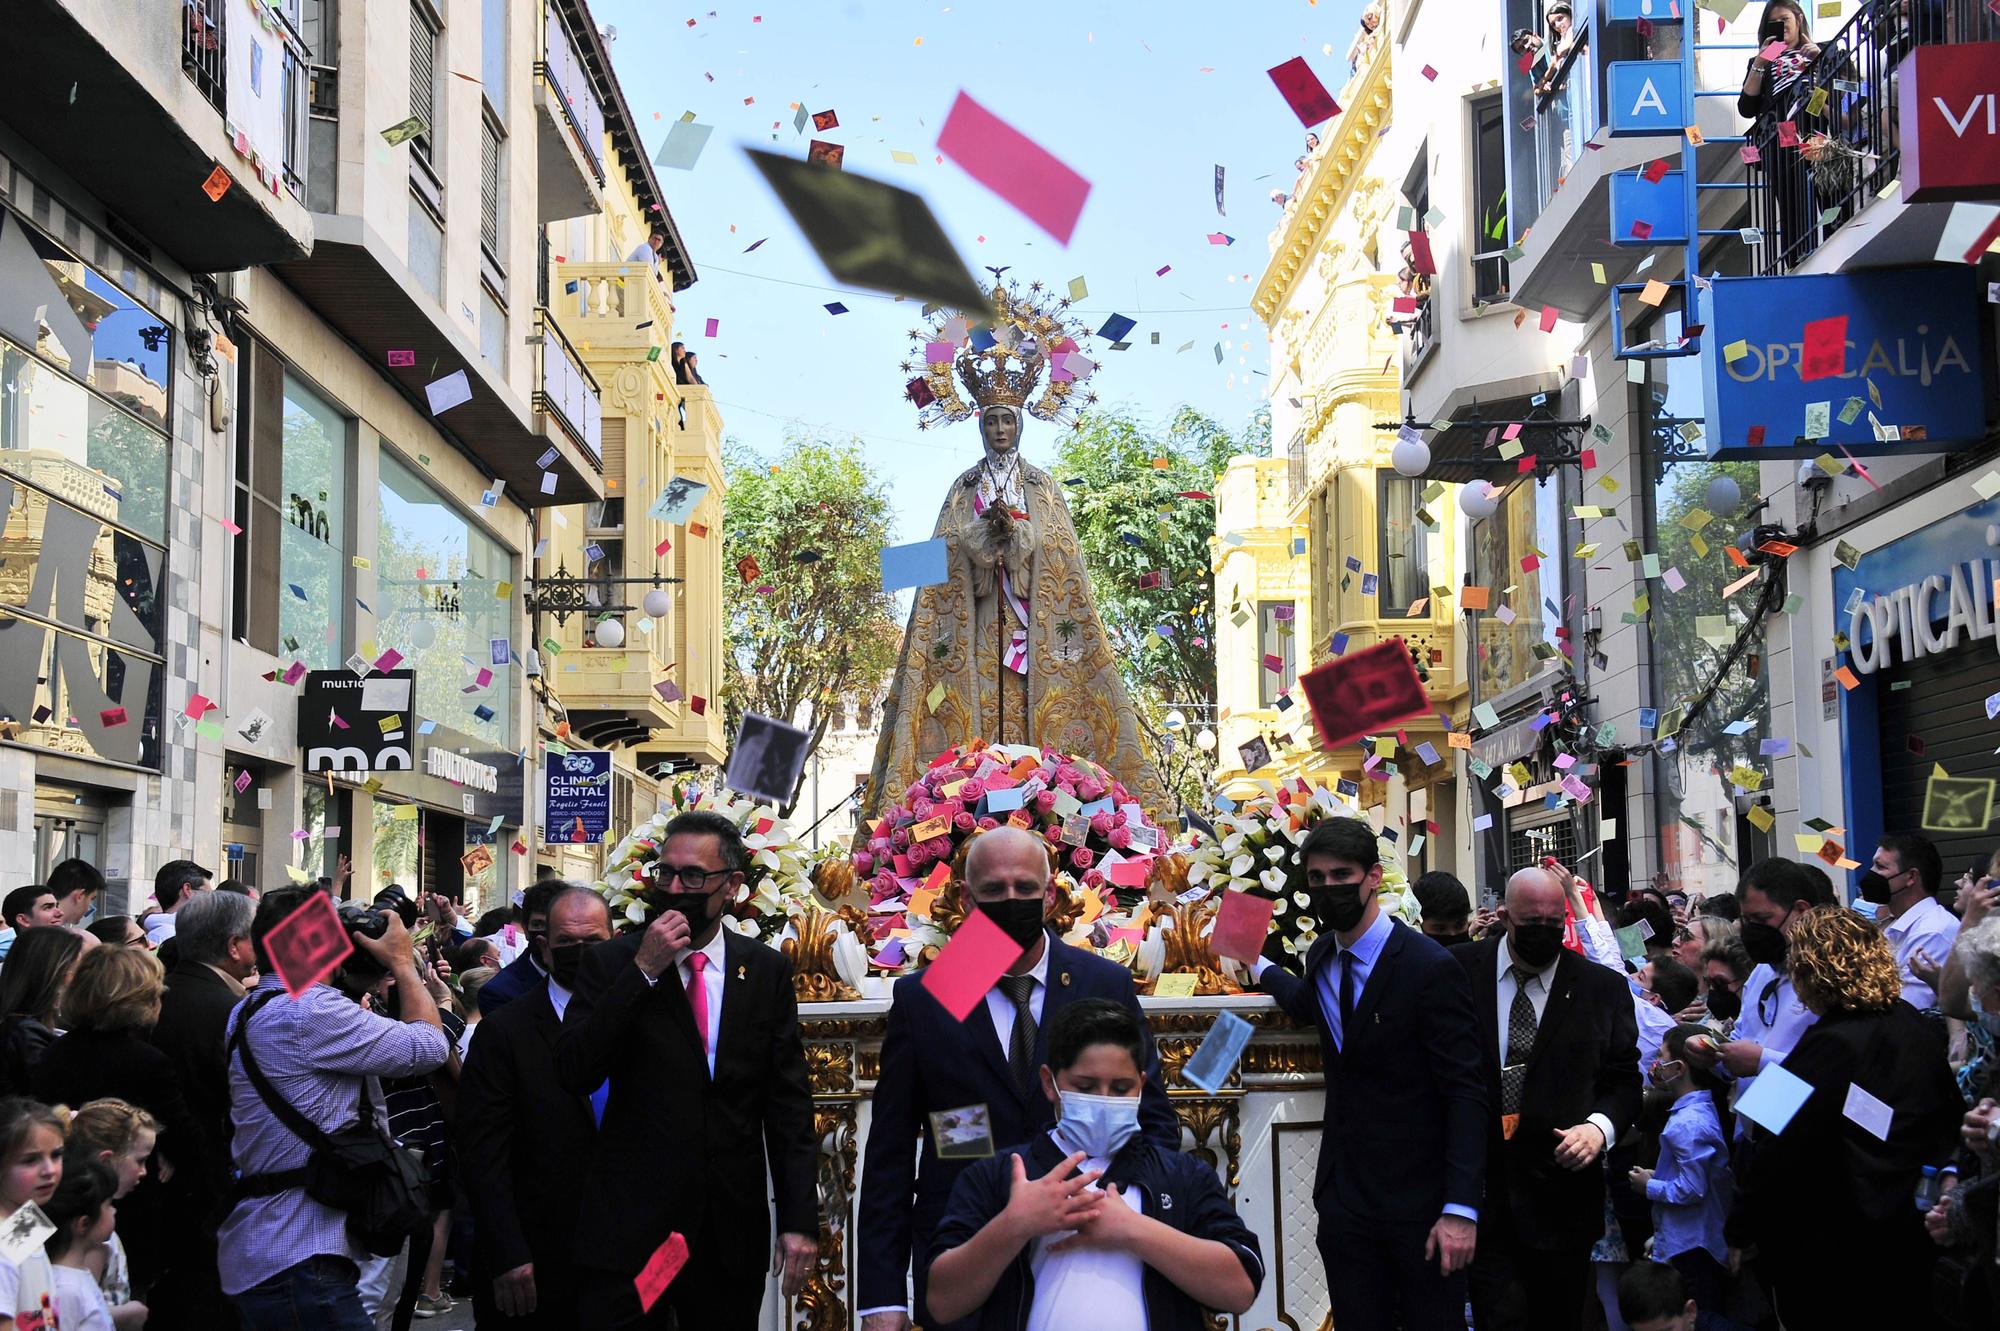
566, 393
1561, 158
621, 311
1804, 199
137, 103
608, 692
570, 119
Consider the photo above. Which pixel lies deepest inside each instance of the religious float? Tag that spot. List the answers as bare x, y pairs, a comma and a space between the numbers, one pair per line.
1007, 708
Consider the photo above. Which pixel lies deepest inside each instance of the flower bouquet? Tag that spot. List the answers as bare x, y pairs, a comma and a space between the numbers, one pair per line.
1256, 846
1099, 840
776, 886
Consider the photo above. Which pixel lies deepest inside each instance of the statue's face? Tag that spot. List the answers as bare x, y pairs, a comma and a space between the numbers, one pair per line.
1001, 431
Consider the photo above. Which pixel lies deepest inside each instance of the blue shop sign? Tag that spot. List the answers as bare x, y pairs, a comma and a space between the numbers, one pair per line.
1661, 205
577, 786
1913, 338
1646, 97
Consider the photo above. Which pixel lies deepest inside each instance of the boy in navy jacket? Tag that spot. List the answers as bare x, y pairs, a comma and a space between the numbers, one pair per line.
1031, 1239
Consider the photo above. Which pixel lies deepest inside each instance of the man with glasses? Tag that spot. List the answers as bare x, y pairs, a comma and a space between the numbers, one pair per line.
1403, 1151
1773, 894
951, 1092
1559, 1052
697, 1031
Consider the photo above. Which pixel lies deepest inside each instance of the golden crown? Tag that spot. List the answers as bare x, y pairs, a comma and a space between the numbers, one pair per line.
1030, 343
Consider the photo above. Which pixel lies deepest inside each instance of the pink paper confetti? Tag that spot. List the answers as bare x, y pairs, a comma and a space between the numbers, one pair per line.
1014, 166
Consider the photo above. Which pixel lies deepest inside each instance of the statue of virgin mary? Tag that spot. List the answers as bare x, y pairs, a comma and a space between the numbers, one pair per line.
1009, 648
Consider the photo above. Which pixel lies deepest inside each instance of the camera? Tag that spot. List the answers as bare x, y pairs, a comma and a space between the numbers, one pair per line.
363, 920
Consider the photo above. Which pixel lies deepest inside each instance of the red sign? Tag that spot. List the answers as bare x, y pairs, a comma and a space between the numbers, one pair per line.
1951, 96
1363, 692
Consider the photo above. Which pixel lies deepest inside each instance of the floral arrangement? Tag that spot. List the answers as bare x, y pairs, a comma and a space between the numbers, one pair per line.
1099, 840
777, 885
1256, 845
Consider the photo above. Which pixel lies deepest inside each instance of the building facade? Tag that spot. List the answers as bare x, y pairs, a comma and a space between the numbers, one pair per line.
1380, 548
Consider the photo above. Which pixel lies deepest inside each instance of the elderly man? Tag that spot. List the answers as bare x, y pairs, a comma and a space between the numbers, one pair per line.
526, 1141
217, 959
697, 1030
984, 1071
1558, 1050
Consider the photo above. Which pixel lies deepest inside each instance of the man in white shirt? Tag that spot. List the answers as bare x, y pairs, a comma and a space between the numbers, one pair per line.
1902, 883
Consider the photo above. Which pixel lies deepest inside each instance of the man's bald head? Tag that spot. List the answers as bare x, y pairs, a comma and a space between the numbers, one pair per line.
1002, 862
1535, 894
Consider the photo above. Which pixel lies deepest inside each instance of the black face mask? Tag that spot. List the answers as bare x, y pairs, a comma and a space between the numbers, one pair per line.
1765, 943
1450, 940
1535, 945
692, 905
1724, 1003
564, 962
1874, 888
1338, 907
1020, 918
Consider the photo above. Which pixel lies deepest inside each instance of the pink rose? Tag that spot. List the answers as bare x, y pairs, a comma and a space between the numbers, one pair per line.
940, 847
919, 855
1053, 835
962, 822
864, 864
921, 809
883, 886
1100, 823
900, 838
1120, 794
1119, 837
1090, 790
988, 824
1045, 802
1082, 857
971, 791
911, 794
1094, 879
1069, 773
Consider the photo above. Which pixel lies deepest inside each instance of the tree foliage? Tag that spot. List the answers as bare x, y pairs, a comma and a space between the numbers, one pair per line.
812, 624
1131, 521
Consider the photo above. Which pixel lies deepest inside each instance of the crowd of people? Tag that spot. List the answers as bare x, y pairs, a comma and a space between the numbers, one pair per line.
1546, 1114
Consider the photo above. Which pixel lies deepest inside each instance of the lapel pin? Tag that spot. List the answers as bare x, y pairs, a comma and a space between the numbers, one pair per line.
742, 971
1065, 979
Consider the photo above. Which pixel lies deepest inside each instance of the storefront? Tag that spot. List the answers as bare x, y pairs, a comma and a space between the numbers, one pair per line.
1916, 730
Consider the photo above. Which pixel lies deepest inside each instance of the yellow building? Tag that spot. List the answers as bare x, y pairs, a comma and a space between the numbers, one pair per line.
1376, 544
639, 666
1263, 594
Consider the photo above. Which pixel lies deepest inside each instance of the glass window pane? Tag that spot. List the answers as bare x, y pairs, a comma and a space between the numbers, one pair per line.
64, 437
312, 559
1405, 547
1276, 636
1506, 653
438, 575
72, 317
396, 848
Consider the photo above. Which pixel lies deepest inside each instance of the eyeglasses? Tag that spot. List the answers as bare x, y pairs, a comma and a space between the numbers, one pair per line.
693, 875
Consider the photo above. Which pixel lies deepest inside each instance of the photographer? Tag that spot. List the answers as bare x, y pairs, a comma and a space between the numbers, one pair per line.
288, 1259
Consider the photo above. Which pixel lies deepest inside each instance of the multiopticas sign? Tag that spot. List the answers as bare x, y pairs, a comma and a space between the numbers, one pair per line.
1951, 95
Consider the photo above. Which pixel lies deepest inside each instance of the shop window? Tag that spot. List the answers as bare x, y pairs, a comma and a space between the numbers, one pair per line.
398, 848
312, 537
1403, 546
1276, 636
438, 580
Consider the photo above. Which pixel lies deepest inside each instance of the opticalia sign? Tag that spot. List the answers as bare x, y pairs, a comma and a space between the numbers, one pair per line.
1951, 94
1912, 377
1924, 594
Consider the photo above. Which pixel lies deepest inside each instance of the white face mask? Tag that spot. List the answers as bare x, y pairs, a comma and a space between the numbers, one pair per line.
1097, 1125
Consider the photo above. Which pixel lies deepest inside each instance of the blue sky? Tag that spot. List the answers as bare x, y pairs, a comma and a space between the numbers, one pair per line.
1118, 91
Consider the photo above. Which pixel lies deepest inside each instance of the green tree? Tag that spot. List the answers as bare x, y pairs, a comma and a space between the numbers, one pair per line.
813, 623
1132, 522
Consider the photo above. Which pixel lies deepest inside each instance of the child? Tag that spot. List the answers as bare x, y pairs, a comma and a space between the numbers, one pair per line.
1652, 1296
1028, 1240
84, 1214
1692, 1187
122, 1136
31, 1164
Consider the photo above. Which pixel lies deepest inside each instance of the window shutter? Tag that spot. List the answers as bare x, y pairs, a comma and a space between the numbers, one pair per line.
423, 73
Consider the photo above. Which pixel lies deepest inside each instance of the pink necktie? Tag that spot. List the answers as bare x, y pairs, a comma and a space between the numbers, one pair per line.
698, 997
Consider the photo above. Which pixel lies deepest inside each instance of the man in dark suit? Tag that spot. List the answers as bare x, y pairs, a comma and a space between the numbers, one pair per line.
525, 1141
215, 957
1559, 1051
1402, 1146
697, 1029
525, 973
990, 1063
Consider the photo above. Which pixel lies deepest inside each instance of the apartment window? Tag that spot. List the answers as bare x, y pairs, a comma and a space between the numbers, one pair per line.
1489, 201
492, 330
1276, 636
426, 247
1403, 546
493, 55
426, 36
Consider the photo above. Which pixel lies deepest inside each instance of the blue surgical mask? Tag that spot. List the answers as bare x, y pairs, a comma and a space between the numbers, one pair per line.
1990, 1021
1097, 1125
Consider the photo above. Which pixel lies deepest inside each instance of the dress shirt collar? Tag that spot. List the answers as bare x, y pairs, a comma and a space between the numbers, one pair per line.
1920, 912
1373, 939
712, 949
558, 998
1691, 1098
1040, 970
1506, 962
